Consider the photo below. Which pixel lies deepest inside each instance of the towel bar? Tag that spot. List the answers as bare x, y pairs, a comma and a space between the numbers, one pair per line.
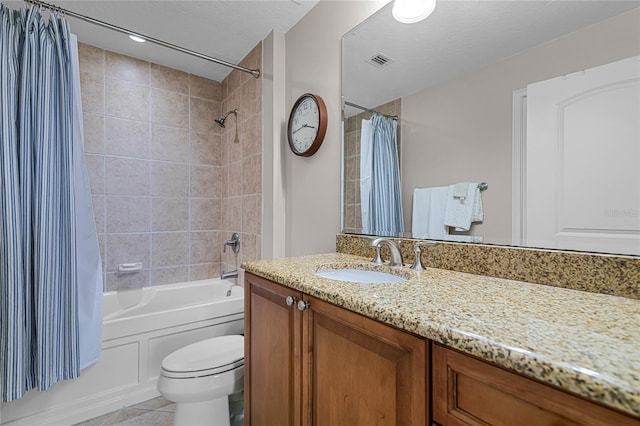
482, 186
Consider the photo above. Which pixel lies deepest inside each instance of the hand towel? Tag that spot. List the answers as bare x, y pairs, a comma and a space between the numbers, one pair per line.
460, 190
428, 213
460, 213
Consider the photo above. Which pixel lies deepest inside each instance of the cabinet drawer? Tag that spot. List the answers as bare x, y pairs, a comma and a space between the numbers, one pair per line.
467, 391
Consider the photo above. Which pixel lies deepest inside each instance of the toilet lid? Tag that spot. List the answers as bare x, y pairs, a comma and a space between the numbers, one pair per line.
207, 354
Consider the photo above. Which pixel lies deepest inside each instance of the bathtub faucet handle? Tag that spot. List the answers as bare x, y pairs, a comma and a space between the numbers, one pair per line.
234, 243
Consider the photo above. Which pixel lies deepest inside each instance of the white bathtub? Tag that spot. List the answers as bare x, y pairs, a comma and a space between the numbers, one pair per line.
140, 327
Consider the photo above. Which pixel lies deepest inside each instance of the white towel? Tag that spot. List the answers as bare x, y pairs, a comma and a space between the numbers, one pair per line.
460, 190
460, 213
428, 213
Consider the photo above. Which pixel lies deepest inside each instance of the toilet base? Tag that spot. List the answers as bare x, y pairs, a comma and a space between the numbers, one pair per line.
212, 413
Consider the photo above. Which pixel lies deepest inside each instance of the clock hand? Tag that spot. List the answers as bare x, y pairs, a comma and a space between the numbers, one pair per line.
302, 127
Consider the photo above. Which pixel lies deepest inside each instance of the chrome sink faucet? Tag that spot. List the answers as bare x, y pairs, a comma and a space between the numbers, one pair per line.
396, 256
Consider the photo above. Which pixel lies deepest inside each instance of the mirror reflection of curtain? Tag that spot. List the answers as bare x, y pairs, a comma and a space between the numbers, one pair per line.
380, 195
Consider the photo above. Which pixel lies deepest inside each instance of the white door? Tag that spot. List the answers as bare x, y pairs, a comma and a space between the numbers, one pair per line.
583, 160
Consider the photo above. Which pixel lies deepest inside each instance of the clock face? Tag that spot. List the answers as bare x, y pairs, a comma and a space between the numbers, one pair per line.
304, 126
307, 125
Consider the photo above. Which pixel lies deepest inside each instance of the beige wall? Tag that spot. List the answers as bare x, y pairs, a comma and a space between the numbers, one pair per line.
461, 130
312, 185
273, 107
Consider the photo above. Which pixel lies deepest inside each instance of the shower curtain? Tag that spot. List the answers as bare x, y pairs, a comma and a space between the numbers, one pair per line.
50, 266
380, 196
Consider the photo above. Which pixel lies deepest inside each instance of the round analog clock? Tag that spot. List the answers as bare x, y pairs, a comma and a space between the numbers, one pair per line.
307, 125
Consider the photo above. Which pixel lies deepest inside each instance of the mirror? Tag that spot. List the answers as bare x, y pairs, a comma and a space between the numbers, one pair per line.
457, 81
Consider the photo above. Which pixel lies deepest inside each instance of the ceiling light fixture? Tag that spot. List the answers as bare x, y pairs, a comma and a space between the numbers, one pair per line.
136, 38
411, 11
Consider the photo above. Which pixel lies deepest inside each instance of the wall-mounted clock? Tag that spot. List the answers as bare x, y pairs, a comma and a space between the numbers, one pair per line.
307, 125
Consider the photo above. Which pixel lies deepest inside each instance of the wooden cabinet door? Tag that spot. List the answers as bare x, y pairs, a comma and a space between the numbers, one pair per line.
361, 372
467, 391
272, 354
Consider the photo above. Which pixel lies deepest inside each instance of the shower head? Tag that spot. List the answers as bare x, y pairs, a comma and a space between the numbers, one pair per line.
220, 121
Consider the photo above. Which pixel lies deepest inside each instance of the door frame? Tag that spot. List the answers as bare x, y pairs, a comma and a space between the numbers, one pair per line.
519, 167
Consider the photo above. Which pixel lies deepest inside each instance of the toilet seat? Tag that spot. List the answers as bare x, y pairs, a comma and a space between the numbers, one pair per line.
208, 357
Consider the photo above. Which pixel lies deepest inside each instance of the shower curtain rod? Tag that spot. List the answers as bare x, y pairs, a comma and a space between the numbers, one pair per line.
395, 117
54, 8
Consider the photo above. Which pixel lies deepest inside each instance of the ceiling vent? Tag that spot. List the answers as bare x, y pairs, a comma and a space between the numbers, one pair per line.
380, 60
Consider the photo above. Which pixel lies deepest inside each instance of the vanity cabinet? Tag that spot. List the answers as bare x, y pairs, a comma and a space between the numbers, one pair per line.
468, 391
273, 346
311, 362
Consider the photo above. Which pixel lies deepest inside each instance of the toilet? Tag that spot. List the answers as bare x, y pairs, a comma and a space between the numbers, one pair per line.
200, 377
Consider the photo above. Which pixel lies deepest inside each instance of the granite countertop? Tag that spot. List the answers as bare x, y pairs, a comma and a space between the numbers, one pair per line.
584, 343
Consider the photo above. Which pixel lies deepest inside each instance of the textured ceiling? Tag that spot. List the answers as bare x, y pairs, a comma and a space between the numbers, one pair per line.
226, 30
457, 38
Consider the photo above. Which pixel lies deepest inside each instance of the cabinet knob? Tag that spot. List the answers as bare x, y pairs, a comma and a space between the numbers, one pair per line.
302, 305
290, 300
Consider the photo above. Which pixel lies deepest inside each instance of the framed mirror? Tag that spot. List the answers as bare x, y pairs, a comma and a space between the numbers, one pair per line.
458, 84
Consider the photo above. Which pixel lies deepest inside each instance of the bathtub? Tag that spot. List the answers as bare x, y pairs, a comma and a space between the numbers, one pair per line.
140, 327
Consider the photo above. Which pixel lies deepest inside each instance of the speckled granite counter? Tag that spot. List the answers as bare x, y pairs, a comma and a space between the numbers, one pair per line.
585, 343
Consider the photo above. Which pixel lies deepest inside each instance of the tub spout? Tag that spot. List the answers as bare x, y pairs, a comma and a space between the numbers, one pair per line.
229, 274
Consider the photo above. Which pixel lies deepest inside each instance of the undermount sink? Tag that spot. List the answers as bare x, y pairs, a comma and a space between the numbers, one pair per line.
360, 276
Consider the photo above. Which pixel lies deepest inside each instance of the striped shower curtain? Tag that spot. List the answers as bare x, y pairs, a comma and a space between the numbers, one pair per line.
381, 199
39, 235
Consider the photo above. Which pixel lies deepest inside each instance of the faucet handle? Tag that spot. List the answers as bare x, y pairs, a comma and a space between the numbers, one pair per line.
417, 251
234, 243
376, 244
377, 258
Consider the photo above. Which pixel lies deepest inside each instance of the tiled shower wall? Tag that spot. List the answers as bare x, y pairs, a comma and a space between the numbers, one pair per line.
158, 166
352, 212
241, 210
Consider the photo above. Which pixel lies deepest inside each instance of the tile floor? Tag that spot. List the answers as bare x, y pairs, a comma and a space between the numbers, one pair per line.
156, 412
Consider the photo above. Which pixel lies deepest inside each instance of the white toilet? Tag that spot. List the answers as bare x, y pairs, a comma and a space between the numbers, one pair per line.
200, 377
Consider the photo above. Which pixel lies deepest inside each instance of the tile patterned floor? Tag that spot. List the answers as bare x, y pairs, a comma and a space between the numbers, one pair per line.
158, 412
155, 412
